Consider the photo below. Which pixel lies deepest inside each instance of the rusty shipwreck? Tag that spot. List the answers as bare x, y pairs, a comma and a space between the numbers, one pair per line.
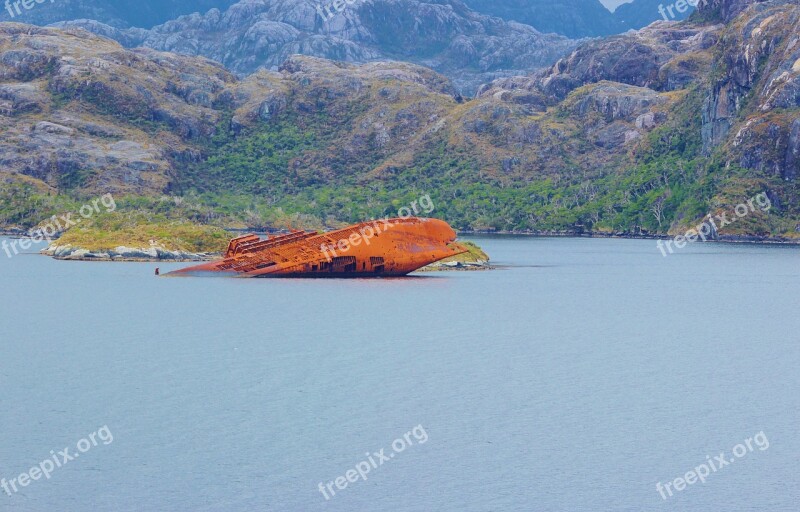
387, 247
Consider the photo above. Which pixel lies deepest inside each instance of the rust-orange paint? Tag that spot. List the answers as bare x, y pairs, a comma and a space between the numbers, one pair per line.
389, 247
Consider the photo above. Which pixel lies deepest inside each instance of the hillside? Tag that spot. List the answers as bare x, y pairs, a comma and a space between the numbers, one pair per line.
645, 132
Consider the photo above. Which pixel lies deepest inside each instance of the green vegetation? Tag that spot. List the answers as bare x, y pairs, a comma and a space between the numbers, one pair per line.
24, 205
139, 230
256, 163
474, 255
280, 179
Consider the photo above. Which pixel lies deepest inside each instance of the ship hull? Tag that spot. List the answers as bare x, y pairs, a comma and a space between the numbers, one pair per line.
385, 248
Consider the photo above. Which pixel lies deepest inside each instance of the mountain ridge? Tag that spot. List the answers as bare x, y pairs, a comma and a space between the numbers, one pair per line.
573, 18
444, 35
116, 13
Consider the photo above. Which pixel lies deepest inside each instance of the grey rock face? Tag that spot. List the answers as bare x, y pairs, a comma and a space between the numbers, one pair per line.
723, 10
614, 135
646, 121
445, 35
21, 98
719, 112
617, 101
45, 127
762, 69
650, 58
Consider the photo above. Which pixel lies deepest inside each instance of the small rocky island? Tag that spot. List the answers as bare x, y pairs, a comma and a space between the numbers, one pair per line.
126, 238
135, 240
156, 252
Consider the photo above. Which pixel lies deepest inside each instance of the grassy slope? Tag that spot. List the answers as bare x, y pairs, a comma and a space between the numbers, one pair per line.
135, 230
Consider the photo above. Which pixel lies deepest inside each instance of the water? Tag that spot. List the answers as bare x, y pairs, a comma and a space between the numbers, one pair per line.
573, 380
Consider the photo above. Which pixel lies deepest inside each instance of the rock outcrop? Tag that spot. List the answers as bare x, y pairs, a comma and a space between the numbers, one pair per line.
79, 111
663, 57
723, 10
755, 93
68, 252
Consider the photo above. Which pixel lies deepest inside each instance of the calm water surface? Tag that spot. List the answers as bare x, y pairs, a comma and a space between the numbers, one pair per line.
573, 380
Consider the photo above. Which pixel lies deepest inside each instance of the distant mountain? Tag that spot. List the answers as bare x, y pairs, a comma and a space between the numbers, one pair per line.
445, 35
641, 13
117, 13
572, 18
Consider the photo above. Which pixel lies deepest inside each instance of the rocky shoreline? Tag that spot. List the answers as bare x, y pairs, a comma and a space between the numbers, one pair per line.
14, 232
126, 254
778, 240
464, 266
